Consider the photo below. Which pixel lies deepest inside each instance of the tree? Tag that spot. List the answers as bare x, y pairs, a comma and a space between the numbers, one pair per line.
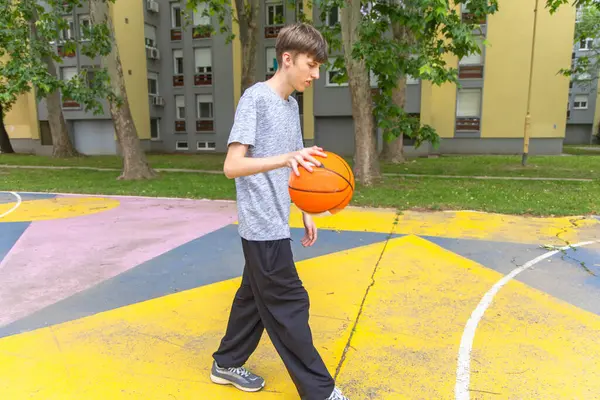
391, 40
245, 16
62, 146
135, 165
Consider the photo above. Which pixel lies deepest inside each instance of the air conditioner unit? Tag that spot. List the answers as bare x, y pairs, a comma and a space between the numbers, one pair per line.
158, 101
152, 52
152, 5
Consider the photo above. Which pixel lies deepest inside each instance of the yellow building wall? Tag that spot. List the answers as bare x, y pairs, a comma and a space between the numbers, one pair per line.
22, 121
507, 63
438, 104
128, 19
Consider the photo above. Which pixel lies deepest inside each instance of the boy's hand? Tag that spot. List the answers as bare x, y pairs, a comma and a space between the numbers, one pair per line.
310, 229
305, 158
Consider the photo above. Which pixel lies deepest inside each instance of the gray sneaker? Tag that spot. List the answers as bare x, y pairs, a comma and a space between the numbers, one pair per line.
239, 377
337, 395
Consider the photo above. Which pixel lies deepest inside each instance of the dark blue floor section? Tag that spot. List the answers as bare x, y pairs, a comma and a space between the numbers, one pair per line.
10, 232
6, 197
211, 258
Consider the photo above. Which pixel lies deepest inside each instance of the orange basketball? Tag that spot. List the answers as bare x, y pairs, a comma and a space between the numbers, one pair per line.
327, 189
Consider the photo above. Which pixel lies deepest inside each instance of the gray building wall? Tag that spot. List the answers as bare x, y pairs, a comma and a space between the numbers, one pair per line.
580, 121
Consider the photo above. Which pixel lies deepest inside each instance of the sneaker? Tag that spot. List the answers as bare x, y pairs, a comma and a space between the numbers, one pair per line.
239, 377
337, 395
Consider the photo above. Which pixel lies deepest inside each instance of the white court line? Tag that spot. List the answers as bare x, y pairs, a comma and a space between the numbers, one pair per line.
463, 371
19, 200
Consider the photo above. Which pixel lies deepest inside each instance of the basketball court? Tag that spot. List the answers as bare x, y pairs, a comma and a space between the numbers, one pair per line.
126, 298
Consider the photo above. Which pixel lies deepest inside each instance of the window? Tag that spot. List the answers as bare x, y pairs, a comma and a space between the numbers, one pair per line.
181, 145
580, 102
180, 106
373, 81
175, 15
205, 106
84, 27
152, 83
586, 44
90, 75
150, 35
206, 146
474, 58
67, 33
333, 16
410, 80
332, 72
468, 103
274, 14
271, 60
68, 73
154, 129
203, 60
199, 18
178, 62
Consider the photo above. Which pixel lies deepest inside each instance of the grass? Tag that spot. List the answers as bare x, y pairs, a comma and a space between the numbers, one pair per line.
540, 198
582, 150
538, 166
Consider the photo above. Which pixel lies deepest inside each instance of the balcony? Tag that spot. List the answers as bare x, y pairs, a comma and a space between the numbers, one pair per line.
469, 17
177, 80
180, 126
205, 125
201, 31
70, 103
468, 124
176, 34
203, 79
272, 31
470, 71
65, 52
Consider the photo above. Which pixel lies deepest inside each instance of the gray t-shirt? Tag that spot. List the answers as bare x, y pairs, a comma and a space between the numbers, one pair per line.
270, 126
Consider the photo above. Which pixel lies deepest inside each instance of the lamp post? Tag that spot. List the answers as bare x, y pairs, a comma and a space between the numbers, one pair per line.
527, 132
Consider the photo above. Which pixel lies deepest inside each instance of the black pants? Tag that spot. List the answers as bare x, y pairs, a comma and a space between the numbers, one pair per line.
272, 297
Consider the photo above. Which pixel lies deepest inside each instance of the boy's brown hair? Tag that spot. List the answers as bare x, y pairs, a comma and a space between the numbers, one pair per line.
301, 38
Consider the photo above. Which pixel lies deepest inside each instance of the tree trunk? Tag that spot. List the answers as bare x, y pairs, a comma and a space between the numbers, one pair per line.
62, 146
366, 165
5, 145
393, 151
247, 17
135, 165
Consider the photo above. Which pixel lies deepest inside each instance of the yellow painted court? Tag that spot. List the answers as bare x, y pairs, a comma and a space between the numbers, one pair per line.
403, 306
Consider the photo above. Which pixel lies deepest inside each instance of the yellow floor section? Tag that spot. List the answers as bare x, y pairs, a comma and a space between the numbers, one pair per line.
459, 224
57, 208
529, 345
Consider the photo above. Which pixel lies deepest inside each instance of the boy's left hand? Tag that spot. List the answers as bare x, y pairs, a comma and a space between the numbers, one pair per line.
310, 229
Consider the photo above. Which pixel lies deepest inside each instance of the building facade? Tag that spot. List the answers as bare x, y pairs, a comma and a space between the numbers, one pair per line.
183, 85
583, 105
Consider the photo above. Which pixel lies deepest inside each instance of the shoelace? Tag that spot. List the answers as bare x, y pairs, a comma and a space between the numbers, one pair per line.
240, 371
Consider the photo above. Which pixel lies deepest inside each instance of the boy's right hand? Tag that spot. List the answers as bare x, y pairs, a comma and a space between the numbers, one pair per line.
305, 157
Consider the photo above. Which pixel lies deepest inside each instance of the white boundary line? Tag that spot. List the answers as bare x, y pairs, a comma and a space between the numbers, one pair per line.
463, 371
19, 201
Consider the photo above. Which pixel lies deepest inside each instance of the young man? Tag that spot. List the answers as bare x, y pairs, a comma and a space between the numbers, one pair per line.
265, 146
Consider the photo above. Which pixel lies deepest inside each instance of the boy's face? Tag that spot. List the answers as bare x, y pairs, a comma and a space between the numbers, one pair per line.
300, 71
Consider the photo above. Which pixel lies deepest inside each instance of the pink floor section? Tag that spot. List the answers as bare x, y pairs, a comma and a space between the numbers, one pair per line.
55, 259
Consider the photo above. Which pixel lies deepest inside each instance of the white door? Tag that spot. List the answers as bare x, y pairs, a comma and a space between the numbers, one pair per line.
95, 137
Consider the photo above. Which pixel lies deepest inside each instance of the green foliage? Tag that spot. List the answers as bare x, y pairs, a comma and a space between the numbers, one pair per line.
29, 37
586, 68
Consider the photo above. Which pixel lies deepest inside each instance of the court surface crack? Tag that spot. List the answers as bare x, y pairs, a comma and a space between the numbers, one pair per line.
362, 304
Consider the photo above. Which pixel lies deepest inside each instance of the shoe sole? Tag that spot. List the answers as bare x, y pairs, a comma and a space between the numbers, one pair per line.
223, 381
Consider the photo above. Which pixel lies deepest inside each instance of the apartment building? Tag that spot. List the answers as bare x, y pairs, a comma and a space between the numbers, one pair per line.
184, 83
582, 107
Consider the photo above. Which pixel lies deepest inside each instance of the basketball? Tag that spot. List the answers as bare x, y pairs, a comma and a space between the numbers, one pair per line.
327, 189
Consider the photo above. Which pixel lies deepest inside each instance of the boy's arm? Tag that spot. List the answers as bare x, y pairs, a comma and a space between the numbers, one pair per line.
237, 164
